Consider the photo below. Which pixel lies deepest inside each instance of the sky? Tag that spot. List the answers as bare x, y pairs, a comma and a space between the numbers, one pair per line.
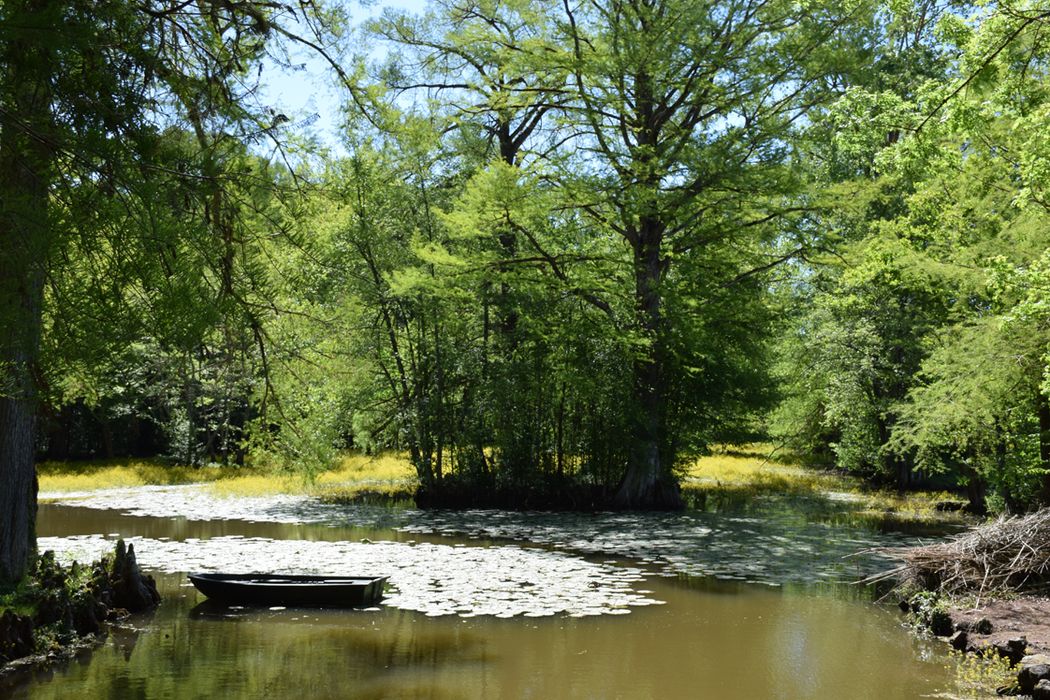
312, 89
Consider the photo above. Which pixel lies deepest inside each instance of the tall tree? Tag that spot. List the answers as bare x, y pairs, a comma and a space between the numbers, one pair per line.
81, 139
920, 350
685, 111
27, 166
475, 61
859, 317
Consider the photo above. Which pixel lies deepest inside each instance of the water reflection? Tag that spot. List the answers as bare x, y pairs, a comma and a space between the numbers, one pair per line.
753, 643
70, 520
718, 636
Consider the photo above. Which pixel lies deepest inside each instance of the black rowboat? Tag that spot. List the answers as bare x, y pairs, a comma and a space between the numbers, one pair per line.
280, 589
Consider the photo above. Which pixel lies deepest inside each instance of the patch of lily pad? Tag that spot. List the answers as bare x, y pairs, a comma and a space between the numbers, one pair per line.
433, 579
772, 548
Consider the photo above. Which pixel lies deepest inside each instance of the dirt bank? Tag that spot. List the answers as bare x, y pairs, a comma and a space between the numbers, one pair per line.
1024, 616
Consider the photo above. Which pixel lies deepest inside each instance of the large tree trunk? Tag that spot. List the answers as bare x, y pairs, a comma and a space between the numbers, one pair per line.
512, 423
1044, 447
648, 482
25, 243
18, 495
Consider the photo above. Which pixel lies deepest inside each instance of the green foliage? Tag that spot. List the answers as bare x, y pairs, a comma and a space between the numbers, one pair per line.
929, 612
569, 244
56, 599
924, 356
982, 674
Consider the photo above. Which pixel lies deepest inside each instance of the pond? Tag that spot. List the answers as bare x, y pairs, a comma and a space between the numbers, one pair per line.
747, 604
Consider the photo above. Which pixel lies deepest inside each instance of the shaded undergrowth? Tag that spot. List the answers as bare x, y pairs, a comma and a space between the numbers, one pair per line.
50, 608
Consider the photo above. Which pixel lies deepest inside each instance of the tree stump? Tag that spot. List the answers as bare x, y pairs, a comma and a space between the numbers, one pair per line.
131, 590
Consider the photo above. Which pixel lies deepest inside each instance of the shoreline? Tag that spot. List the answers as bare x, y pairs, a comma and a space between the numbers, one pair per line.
19, 670
59, 612
1026, 616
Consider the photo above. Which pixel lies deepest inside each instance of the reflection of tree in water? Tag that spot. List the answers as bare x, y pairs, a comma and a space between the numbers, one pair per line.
125, 637
186, 650
731, 646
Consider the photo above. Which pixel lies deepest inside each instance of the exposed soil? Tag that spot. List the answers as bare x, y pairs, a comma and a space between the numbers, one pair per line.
1027, 616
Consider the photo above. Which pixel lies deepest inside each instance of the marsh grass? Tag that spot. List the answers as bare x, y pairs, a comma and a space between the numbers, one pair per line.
389, 467
117, 473
756, 470
753, 471
729, 476
373, 478
379, 478
745, 472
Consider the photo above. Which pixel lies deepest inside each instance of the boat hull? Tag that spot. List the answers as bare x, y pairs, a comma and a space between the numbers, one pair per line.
297, 591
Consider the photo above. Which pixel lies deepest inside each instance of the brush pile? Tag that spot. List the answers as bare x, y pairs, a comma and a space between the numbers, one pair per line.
1010, 554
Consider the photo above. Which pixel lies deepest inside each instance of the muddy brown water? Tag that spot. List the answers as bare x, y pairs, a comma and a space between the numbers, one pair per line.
710, 639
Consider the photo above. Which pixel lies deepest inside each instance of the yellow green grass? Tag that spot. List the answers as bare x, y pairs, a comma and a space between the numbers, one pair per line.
742, 471
755, 468
116, 473
385, 476
758, 469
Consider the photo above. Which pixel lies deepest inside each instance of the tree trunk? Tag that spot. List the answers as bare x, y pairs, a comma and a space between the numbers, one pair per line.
25, 243
18, 495
902, 467
648, 482
1009, 500
559, 437
976, 492
1044, 448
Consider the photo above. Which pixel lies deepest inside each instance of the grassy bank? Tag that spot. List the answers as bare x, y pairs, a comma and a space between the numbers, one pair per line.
754, 471
387, 477
737, 473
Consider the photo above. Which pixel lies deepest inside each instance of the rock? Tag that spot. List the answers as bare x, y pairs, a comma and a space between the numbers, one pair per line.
959, 640
1031, 675
131, 590
1041, 691
904, 605
16, 636
941, 623
1013, 649
982, 626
